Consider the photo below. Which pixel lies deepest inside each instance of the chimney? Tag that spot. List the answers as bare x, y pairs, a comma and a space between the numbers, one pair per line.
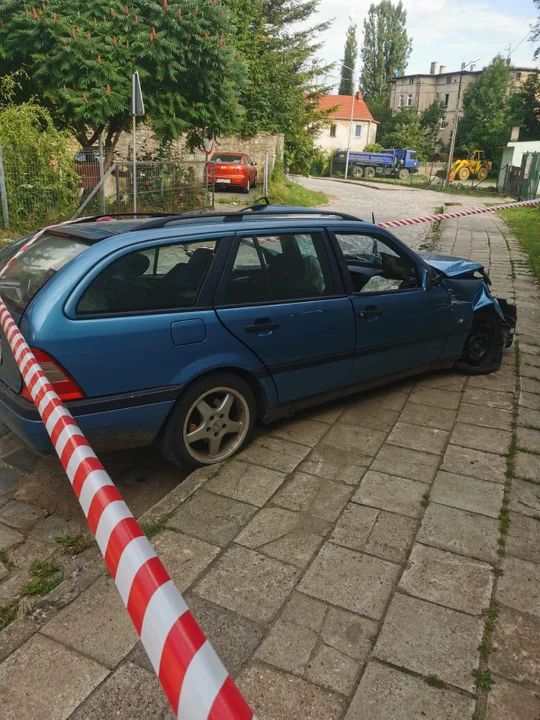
359, 95
463, 65
442, 69
473, 68
434, 66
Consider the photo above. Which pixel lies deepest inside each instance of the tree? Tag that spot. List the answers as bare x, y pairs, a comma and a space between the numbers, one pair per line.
526, 108
535, 37
79, 58
385, 49
430, 122
487, 118
346, 86
281, 94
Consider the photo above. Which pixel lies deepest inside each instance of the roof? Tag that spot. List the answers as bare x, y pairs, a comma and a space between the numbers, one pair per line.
458, 71
361, 110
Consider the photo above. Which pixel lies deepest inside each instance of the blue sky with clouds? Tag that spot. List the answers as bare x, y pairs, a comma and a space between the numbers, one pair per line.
448, 31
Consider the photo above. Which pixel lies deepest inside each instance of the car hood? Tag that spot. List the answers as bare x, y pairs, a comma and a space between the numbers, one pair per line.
451, 266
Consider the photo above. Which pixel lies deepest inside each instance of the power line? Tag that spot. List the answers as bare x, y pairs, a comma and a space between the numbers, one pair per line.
510, 52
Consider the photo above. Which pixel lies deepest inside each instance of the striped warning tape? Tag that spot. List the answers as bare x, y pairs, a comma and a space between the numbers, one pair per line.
457, 214
193, 677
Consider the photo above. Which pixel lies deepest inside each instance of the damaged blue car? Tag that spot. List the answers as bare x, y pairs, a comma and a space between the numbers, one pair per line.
185, 330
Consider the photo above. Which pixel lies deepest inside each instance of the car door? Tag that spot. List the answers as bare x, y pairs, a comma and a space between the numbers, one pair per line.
282, 297
400, 322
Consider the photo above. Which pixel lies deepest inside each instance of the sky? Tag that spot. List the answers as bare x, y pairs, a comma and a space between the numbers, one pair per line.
447, 31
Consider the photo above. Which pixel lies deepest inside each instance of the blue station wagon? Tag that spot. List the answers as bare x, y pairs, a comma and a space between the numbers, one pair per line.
185, 330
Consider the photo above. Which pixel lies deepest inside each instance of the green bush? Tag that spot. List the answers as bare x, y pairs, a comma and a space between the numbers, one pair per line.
39, 167
373, 148
320, 165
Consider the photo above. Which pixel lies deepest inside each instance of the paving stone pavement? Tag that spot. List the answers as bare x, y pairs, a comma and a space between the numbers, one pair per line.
343, 563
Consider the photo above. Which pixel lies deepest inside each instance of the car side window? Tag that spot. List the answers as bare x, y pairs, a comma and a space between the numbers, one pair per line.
289, 266
376, 267
160, 278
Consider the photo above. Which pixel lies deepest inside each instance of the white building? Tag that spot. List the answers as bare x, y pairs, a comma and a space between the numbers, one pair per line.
512, 155
335, 136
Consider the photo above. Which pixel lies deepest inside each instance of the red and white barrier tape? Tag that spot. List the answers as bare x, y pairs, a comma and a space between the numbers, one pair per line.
193, 677
457, 214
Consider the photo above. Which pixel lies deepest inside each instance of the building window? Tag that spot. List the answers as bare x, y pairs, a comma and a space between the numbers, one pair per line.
409, 100
411, 81
446, 99
449, 79
401, 101
518, 76
358, 131
333, 129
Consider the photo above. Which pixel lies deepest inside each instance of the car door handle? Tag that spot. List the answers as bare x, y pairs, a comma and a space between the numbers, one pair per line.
261, 326
369, 311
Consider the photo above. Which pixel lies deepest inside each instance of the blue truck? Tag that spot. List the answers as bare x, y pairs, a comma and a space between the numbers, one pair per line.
398, 163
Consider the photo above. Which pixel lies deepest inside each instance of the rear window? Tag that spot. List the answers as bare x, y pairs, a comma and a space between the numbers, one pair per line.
231, 159
29, 273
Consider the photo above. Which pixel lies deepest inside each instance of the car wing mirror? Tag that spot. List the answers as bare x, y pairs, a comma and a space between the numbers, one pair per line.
433, 279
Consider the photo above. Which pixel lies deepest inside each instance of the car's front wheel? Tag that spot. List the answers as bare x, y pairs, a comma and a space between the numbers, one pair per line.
484, 346
211, 421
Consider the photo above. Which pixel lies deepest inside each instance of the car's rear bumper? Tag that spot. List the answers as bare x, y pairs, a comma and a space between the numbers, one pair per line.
119, 421
228, 180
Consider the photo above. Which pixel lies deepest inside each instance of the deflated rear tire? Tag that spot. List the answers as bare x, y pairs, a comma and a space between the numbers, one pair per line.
484, 347
211, 421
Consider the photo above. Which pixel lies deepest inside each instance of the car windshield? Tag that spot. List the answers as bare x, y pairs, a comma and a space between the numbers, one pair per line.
231, 159
29, 273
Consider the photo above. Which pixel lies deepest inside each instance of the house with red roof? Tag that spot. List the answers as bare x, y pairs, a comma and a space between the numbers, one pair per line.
335, 135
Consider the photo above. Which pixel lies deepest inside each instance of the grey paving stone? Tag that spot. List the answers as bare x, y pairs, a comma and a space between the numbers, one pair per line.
20, 516
530, 371
24, 554
274, 695
529, 400
333, 464
386, 492
46, 680
317, 496
527, 439
53, 526
354, 526
95, 624
481, 438
184, 557
9, 537
351, 437
9, 479
212, 518
349, 633
369, 414
436, 397
302, 431
528, 417
288, 646
530, 360
516, 644
485, 416
418, 437
443, 380
385, 693
274, 453
467, 493
128, 693
23, 460
391, 537
4, 572
336, 574
447, 579
528, 465
495, 381
430, 640
525, 498
508, 700
248, 583
460, 532
474, 463
327, 413
293, 537
333, 670
488, 398
530, 385
519, 586
428, 416
393, 399
522, 539
305, 610
406, 463
245, 482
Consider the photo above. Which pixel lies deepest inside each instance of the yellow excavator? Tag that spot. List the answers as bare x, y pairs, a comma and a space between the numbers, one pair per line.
474, 165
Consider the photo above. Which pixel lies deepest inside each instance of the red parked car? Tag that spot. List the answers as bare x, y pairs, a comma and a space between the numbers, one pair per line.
232, 169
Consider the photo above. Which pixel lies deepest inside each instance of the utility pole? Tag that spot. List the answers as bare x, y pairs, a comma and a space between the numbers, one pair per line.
464, 66
350, 137
137, 110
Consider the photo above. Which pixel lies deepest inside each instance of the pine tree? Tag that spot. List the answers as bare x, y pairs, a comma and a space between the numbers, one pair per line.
386, 48
79, 57
346, 86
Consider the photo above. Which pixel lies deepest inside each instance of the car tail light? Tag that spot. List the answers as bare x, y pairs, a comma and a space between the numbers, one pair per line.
64, 385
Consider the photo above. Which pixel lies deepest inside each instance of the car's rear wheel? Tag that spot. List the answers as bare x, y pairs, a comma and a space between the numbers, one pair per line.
211, 421
482, 173
484, 346
247, 188
369, 173
358, 172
